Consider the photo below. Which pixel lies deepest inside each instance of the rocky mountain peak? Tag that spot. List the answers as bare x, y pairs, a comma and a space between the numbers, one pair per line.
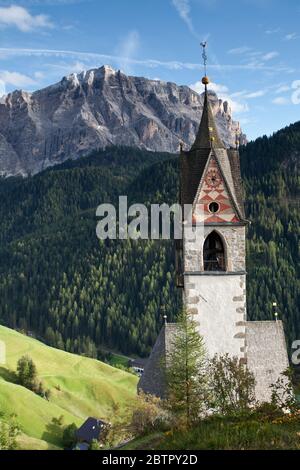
97, 108
88, 76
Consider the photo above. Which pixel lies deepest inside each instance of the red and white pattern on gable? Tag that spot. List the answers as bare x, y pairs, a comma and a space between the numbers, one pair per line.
214, 190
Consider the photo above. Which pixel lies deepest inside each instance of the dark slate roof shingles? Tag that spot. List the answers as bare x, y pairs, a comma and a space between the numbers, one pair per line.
207, 133
234, 160
193, 163
90, 430
153, 379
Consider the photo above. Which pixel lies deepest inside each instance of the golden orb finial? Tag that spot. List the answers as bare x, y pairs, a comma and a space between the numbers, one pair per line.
205, 80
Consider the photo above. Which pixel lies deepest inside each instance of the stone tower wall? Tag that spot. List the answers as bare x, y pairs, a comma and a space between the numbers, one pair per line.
233, 237
217, 300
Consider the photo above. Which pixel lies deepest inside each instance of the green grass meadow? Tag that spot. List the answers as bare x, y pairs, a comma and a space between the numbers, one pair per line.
80, 387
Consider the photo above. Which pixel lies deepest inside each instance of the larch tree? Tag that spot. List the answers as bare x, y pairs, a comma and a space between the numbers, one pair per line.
186, 376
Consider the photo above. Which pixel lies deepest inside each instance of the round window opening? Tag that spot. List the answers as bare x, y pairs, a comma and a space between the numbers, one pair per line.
214, 207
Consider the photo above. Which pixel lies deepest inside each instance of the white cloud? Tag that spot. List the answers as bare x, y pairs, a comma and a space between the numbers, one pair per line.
237, 94
39, 75
270, 55
282, 89
222, 92
42, 2
291, 36
130, 45
249, 95
2, 88
16, 79
255, 94
216, 87
244, 121
19, 17
183, 8
237, 107
116, 60
273, 31
296, 93
239, 50
281, 100
257, 58
127, 50
67, 68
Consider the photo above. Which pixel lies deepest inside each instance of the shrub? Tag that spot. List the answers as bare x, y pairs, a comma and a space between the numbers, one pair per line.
231, 384
95, 445
283, 395
267, 412
69, 436
9, 430
148, 415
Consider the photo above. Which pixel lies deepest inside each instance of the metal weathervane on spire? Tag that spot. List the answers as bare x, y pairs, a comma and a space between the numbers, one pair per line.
204, 55
205, 79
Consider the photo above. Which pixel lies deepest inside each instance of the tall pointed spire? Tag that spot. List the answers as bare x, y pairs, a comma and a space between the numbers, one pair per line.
207, 135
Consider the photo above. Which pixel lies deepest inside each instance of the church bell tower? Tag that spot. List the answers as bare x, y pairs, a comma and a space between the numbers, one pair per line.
211, 268
212, 273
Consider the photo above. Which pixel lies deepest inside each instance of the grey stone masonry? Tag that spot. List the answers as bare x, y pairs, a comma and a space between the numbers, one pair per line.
234, 243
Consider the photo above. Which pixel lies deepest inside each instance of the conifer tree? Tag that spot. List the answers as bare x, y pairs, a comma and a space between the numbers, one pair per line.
186, 371
26, 372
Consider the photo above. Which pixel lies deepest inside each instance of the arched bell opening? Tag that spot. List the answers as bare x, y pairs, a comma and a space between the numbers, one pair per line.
214, 253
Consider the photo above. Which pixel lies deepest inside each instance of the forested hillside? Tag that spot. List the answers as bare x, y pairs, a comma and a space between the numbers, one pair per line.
59, 281
77, 293
270, 168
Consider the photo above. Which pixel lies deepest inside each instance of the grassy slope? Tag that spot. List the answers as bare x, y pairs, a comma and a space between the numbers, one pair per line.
226, 434
80, 387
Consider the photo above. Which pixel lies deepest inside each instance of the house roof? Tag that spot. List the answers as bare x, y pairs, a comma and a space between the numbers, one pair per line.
153, 379
138, 363
266, 356
234, 160
90, 430
192, 165
81, 446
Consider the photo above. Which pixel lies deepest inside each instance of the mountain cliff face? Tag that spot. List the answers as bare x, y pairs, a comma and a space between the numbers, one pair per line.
98, 108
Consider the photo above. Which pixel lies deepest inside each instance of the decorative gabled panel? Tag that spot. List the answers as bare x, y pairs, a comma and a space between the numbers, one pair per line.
214, 203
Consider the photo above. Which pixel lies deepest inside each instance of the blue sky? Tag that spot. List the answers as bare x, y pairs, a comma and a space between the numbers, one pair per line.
253, 48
